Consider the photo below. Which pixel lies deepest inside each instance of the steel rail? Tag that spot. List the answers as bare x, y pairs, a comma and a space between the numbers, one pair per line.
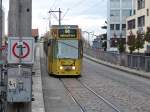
73, 98
99, 96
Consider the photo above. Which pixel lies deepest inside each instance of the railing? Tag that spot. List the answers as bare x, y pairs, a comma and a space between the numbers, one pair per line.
138, 62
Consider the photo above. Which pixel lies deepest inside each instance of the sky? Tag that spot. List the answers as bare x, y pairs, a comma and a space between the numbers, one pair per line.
90, 15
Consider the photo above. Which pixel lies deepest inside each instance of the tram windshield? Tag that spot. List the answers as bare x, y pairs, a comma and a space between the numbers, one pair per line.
67, 49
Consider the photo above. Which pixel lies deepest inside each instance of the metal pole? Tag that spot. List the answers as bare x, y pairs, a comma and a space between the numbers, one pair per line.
88, 40
20, 26
1, 28
1, 103
20, 36
59, 16
59, 11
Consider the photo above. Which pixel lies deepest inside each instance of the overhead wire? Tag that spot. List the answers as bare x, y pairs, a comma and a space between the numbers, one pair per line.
53, 4
68, 9
65, 13
78, 4
57, 5
89, 9
54, 15
74, 7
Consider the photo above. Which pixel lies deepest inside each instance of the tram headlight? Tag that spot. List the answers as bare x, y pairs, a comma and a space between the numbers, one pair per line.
73, 67
61, 67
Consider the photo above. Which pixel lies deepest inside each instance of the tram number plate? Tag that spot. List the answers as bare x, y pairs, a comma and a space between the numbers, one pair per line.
67, 67
12, 83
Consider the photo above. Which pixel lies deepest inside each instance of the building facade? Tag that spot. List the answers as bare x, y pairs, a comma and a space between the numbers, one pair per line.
35, 34
100, 42
140, 21
117, 12
2, 21
3, 27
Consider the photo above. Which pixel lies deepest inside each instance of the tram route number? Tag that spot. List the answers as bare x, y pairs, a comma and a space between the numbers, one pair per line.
12, 83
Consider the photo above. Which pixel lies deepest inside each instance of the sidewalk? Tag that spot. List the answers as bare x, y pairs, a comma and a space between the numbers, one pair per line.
121, 68
38, 104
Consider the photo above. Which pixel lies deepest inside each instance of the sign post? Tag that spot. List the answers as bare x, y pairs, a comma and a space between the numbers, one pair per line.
20, 56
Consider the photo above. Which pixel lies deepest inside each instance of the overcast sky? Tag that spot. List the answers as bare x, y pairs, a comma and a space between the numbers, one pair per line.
90, 15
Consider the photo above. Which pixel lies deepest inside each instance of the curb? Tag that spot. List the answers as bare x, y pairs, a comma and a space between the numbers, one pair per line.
121, 68
38, 104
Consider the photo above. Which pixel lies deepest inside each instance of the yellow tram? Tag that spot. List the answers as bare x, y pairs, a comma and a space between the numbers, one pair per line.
64, 50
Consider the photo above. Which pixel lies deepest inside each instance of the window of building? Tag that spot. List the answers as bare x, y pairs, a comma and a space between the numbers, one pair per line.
141, 21
141, 4
111, 26
114, 13
131, 24
114, 3
134, 12
148, 47
126, 12
147, 12
117, 26
126, 4
123, 26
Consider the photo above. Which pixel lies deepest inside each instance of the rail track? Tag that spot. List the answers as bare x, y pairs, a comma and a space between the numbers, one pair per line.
74, 99
101, 98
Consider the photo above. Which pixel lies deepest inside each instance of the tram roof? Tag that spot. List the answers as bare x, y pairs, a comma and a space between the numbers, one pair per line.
64, 26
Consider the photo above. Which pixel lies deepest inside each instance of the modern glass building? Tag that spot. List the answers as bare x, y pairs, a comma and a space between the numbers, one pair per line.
117, 12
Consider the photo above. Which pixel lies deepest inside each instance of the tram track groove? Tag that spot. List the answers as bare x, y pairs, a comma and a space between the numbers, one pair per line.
99, 96
73, 98
109, 104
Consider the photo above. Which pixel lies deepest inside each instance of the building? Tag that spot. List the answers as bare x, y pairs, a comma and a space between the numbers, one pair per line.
97, 43
100, 42
117, 12
2, 22
3, 28
35, 34
139, 21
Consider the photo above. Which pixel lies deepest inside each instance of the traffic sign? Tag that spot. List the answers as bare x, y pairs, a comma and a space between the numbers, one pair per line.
21, 54
20, 50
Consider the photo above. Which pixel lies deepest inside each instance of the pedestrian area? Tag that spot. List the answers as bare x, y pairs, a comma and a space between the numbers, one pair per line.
38, 104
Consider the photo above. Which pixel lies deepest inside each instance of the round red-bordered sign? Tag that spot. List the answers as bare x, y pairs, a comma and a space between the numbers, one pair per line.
17, 55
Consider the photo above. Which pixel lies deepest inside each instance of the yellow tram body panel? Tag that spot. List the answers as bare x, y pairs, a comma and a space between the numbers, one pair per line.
65, 67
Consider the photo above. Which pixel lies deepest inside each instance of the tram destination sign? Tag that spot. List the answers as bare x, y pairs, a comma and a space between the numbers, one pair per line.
67, 33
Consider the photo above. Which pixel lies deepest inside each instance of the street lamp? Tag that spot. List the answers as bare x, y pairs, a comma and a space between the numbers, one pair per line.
89, 33
49, 21
45, 24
